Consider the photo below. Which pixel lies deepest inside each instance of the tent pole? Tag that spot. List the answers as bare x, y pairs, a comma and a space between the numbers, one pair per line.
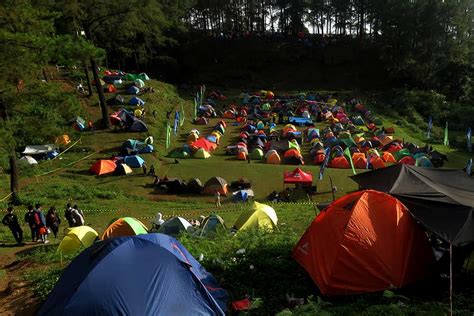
450, 278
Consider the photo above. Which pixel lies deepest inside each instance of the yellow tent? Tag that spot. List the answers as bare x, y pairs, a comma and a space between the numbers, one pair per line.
260, 216
201, 154
77, 237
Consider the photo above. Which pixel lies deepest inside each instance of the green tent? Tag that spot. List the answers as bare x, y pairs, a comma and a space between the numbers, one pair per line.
294, 144
131, 77
401, 153
143, 76
257, 154
178, 153
266, 106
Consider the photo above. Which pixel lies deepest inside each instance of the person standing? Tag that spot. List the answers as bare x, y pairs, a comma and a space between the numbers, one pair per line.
77, 217
53, 221
68, 216
144, 169
152, 171
30, 220
11, 220
40, 224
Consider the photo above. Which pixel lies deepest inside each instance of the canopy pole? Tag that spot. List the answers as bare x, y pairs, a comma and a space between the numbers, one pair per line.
450, 278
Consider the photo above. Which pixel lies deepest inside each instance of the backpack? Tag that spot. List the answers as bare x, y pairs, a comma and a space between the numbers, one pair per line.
78, 219
68, 215
37, 219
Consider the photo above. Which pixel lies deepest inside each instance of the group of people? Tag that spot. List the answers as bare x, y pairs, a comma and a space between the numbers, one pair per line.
41, 224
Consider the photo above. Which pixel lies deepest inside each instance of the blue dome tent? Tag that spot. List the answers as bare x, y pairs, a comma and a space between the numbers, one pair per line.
151, 274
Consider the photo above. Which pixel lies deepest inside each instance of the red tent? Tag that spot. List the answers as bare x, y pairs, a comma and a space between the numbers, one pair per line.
366, 241
103, 166
298, 176
204, 144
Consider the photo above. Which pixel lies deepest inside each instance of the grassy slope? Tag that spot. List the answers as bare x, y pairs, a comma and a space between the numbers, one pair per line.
135, 191
133, 195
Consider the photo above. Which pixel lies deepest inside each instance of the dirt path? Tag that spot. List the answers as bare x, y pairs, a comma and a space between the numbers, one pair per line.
16, 296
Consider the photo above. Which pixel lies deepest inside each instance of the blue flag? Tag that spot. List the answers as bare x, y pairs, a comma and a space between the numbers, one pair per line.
469, 140
430, 126
327, 152
469, 167
176, 122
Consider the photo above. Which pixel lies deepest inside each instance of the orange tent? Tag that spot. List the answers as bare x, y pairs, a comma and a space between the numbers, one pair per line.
359, 160
192, 138
273, 159
377, 162
111, 88
242, 155
364, 242
388, 157
103, 166
126, 226
319, 159
339, 162
292, 153
229, 114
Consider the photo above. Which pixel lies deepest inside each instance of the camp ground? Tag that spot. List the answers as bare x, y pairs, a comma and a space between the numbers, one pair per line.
237, 157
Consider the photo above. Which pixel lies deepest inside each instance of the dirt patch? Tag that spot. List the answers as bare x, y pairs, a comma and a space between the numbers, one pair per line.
16, 297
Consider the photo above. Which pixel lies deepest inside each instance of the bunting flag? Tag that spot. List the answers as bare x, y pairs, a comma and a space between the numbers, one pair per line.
469, 139
181, 122
430, 126
168, 135
347, 152
446, 137
469, 167
176, 122
327, 152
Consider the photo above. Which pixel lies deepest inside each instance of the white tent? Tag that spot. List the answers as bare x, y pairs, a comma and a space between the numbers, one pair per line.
39, 149
29, 160
174, 226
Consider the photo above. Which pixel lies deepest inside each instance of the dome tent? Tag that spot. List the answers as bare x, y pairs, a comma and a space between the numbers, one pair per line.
125, 226
77, 237
261, 216
156, 276
364, 242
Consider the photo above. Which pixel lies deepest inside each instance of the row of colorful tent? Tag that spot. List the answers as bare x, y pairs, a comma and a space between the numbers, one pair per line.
195, 186
127, 160
253, 143
128, 120
199, 146
259, 216
132, 271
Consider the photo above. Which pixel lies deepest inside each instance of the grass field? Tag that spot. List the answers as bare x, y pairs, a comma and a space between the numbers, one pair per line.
103, 198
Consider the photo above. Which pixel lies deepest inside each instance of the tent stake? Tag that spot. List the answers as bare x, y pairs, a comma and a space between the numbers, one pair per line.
450, 278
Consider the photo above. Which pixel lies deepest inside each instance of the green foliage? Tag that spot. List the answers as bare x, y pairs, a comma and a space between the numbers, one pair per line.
43, 281
71, 191
262, 268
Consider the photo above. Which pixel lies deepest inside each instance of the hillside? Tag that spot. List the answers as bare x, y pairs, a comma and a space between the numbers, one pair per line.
68, 178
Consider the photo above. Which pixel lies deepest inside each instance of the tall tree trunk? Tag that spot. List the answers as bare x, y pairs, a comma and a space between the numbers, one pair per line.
100, 92
45, 76
13, 177
11, 158
88, 80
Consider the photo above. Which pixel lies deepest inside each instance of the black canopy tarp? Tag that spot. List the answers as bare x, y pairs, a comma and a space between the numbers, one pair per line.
440, 199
